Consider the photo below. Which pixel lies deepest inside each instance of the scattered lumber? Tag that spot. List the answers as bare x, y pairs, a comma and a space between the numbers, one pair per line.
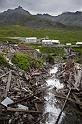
28, 97
69, 99
8, 83
63, 106
4, 74
20, 110
71, 75
20, 86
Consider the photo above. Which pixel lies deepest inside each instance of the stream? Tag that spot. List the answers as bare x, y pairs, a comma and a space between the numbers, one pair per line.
52, 107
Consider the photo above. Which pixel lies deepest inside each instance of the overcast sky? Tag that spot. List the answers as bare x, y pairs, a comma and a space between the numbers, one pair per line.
53, 7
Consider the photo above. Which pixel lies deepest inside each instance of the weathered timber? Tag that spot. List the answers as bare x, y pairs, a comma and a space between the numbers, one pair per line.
36, 106
20, 110
27, 77
8, 84
4, 74
63, 106
28, 97
69, 99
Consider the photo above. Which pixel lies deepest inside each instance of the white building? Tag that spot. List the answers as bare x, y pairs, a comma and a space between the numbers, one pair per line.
55, 41
68, 44
46, 42
79, 43
50, 42
31, 39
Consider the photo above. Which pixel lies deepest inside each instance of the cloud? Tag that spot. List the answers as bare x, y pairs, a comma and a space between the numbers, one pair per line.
43, 6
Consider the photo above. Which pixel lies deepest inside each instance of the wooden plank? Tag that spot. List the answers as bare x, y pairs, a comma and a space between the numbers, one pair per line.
8, 84
4, 74
21, 110
69, 99
36, 106
76, 98
28, 97
63, 106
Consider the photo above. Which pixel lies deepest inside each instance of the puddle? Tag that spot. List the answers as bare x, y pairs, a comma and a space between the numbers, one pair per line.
51, 106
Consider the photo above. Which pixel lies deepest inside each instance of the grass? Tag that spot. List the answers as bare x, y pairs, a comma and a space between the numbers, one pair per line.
79, 57
25, 62
3, 60
48, 50
53, 51
78, 50
21, 60
64, 35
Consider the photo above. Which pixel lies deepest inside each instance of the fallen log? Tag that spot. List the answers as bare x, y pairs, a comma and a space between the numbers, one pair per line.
36, 74
69, 99
76, 98
36, 106
63, 106
20, 110
28, 97
74, 87
8, 84
4, 74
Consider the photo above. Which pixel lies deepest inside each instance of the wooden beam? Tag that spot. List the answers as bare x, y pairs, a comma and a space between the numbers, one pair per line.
20, 110
4, 74
28, 97
69, 99
63, 106
8, 83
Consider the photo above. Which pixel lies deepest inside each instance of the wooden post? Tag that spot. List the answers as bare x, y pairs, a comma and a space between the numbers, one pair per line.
63, 107
8, 83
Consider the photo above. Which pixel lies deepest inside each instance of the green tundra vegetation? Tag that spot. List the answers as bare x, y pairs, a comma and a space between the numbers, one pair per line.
2, 60
64, 34
21, 60
78, 49
49, 50
25, 62
78, 58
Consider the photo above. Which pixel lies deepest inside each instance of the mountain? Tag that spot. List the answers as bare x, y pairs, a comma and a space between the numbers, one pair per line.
67, 18
19, 16
70, 18
18, 10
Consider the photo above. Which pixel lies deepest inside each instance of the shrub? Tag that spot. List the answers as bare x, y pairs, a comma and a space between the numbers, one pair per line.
3, 61
5, 50
36, 63
21, 60
24, 61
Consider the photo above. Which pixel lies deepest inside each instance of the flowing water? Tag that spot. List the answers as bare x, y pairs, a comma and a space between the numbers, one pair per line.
52, 108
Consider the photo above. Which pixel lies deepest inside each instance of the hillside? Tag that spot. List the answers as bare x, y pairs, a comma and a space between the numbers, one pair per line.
70, 18
64, 35
19, 16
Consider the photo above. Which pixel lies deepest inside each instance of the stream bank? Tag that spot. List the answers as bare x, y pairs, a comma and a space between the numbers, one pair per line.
53, 105
51, 108
35, 93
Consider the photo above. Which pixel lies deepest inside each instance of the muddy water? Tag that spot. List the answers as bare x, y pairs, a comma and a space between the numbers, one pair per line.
51, 108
